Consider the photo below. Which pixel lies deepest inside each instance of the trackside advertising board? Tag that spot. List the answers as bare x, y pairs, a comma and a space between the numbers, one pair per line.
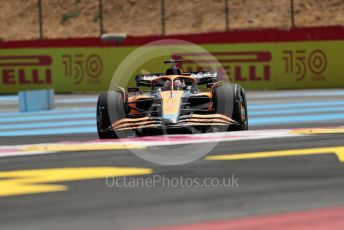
63, 69
259, 65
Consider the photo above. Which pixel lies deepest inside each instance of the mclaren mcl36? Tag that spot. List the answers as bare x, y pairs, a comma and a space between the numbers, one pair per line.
175, 102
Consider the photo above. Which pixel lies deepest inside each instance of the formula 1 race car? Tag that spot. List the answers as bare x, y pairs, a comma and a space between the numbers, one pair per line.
175, 103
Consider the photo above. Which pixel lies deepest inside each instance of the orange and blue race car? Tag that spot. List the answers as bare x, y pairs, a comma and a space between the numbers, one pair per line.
176, 102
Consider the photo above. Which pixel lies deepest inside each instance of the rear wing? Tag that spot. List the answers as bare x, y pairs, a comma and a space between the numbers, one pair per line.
146, 79
202, 78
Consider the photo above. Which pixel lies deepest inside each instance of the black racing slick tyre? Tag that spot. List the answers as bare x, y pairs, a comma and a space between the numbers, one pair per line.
240, 107
230, 100
223, 98
110, 108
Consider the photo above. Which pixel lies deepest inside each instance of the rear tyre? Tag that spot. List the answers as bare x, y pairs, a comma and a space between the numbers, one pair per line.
110, 108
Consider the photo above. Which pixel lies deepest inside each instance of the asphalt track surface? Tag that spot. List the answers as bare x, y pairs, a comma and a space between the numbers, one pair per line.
265, 186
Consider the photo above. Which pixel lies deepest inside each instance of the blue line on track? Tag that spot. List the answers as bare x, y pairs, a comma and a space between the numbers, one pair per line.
291, 94
49, 112
253, 113
58, 100
47, 117
57, 124
296, 119
36, 132
8, 98
294, 105
79, 100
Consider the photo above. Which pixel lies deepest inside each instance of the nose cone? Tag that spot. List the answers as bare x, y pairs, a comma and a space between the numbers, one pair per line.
168, 119
171, 102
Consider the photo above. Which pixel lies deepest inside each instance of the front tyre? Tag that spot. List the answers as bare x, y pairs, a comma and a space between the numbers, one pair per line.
230, 100
240, 107
110, 108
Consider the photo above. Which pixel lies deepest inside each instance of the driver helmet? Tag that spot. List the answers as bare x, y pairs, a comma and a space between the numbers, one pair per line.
167, 85
177, 85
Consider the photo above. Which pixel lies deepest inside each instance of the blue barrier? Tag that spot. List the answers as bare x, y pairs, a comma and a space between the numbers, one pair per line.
36, 100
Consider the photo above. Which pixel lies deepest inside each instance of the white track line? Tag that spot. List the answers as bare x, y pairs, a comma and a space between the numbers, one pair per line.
47, 148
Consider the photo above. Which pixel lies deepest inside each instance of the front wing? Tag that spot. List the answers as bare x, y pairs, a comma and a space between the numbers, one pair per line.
192, 120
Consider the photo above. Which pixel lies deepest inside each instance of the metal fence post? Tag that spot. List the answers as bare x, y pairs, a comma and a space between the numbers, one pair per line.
163, 17
101, 25
292, 14
226, 15
40, 19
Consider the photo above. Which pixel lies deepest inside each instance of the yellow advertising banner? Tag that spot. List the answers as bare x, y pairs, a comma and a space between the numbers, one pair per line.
62, 69
283, 65
279, 65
